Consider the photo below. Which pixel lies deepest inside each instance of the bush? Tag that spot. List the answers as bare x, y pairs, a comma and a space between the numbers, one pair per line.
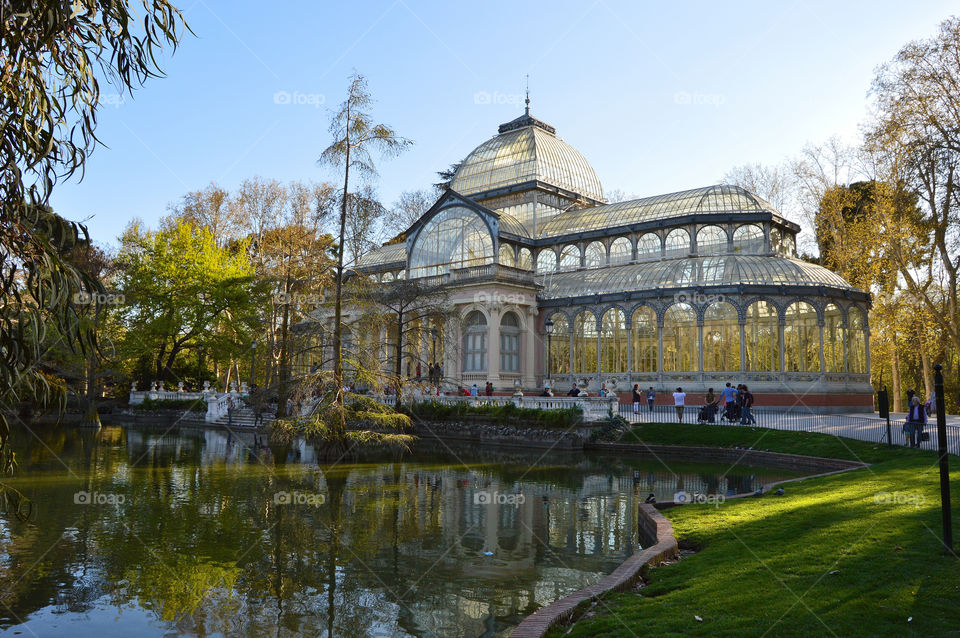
183, 405
507, 413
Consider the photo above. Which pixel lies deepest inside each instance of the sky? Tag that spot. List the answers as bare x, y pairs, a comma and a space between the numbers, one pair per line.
657, 96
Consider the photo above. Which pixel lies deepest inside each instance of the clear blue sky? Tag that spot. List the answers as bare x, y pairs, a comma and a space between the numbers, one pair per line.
762, 79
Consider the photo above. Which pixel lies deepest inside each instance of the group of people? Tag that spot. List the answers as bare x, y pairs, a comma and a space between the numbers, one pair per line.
434, 372
735, 404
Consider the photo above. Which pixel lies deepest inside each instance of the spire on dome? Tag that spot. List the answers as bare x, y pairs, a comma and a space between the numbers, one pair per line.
528, 96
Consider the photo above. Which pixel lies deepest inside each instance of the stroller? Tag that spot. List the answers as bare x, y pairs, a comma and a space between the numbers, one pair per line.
707, 413
732, 413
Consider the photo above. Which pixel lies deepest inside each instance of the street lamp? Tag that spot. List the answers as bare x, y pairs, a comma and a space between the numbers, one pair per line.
433, 333
548, 327
253, 360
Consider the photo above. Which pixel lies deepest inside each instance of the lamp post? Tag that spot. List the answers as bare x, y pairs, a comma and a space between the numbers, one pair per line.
944, 464
433, 333
253, 360
548, 327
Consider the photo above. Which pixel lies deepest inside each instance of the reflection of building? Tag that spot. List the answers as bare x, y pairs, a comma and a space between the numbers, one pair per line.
691, 288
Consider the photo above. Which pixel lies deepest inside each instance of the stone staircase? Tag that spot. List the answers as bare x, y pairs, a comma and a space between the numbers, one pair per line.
244, 417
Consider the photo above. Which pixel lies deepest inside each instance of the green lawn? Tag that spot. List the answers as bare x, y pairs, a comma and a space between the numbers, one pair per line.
854, 554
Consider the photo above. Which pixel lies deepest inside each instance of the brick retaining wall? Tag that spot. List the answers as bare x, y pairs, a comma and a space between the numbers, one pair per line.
623, 577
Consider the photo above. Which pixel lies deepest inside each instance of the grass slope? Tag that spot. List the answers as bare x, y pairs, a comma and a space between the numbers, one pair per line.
854, 554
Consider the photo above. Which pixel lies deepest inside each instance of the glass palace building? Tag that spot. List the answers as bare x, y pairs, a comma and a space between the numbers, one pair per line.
691, 289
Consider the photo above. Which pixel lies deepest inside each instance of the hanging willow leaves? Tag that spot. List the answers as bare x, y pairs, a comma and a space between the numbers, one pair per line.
55, 55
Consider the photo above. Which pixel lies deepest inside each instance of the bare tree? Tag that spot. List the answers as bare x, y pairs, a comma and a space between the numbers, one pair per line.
409, 207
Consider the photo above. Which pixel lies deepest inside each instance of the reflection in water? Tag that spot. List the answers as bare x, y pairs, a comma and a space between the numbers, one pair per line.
203, 533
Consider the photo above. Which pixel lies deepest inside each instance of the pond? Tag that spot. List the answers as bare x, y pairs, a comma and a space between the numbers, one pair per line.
203, 533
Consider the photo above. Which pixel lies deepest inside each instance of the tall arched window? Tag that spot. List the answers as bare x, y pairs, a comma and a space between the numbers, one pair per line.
595, 255
748, 239
648, 246
560, 345
762, 337
584, 343
680, 352
455, 237
387, 276
475, 342
645, 342
711, 240
801, 338
857, 336
510, 343
546, 260
525, 259
613, 341
776, 240
721, 338
789, 245
507, 256
569, 257
834, 339
621, 251
677, 243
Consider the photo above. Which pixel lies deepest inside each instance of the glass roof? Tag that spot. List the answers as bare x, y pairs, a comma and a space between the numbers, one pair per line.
510, 224
524, 154
384, 255
692, 271
710, 199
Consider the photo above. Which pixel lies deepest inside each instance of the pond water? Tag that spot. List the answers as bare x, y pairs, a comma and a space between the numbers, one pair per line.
202, 533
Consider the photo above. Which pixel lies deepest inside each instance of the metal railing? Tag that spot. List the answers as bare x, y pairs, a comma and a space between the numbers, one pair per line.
862, 428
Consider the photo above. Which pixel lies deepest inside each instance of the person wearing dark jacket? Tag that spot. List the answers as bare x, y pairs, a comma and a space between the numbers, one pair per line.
636, 398
916, 419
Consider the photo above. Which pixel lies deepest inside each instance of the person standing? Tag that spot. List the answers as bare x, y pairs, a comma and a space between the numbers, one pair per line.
474, 390
636, 398
574, 391
679, 398
916, 418
747, 403
651, 397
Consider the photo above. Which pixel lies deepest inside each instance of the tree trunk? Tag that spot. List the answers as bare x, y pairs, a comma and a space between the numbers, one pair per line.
283, 369
398, 368
927, 372
339, 426
895, 380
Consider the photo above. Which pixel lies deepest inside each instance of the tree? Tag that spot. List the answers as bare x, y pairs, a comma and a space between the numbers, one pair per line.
211, 207
409, 207
355, 140
446, 177
773, 183
409, 309
182, 289
52, 52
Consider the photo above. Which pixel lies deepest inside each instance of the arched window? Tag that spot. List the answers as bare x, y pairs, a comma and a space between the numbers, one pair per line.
789, 245
559, 345
456, 237
834, 339
648, 246
645, 342
748, 239
680, 339
507, 256
801, 338
546, 260
584, 343
711, 240
525, 259
613, 341
721, 338
621, 251
595, 255
569, 257
387, 276
677, 243
762, 337
509, 343
857, 339
475, 342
